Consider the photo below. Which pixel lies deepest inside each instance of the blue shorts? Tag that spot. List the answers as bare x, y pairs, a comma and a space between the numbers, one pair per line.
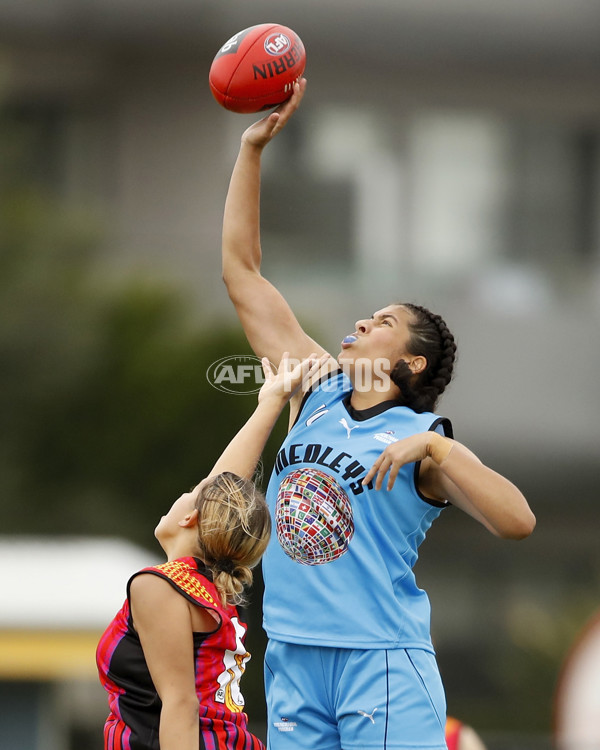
351, 699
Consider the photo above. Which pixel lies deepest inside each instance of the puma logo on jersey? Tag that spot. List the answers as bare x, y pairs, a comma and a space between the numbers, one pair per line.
368, 716
317, 414
345, 424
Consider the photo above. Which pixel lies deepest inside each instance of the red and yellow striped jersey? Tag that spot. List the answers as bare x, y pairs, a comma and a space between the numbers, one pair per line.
220, 660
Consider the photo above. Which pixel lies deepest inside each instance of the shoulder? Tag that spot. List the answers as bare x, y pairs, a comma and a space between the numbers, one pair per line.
190, 581
156, 595
185, 578
151, 591
425, 421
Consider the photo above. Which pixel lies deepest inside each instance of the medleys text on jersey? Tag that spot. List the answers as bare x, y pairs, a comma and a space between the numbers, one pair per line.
340, 462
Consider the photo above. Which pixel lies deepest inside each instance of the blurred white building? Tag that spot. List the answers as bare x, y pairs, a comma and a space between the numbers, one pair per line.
447, 151
58, 596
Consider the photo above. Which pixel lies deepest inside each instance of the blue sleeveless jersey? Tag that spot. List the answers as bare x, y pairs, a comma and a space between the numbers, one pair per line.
339, 570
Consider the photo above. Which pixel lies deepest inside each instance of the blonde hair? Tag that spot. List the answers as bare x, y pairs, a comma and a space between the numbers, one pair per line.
234, 526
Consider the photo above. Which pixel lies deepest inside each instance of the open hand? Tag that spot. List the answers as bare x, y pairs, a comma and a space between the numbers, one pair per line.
289, 376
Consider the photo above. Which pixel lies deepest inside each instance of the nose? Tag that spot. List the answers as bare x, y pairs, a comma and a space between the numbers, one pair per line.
363, 326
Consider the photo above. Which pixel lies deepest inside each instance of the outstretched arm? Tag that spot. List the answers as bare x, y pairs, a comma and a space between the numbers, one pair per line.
243, 453
270, 325
450, 471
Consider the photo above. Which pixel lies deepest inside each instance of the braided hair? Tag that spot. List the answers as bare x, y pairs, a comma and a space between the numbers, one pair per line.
429, 338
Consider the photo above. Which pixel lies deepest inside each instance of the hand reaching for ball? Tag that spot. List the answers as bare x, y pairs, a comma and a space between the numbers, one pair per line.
256, 69
261, 132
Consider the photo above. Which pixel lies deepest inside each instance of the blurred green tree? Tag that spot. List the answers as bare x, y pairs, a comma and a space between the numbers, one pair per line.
106, 409
107, 413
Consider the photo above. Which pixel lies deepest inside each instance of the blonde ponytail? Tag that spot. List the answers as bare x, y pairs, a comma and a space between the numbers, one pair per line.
234, 527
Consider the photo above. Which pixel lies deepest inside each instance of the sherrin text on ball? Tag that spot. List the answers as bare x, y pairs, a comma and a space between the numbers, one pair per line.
256, 69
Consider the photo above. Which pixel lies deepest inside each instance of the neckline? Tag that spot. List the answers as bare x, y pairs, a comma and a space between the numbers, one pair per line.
197, 564
361, 415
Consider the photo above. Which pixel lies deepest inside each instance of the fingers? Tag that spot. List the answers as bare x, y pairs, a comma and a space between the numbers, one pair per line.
262, 131
304, 369
392, 475
380, 468
287, 369
307, 365
290, 373
372, 471
284, 363
267, 367
311, 367
273, 121
382, 471
291, 105
313, 363
286, 110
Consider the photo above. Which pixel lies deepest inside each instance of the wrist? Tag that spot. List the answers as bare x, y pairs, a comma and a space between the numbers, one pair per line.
273, 403
250, 149
439, 447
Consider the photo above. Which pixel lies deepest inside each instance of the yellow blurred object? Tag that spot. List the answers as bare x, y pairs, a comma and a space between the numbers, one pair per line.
47, 655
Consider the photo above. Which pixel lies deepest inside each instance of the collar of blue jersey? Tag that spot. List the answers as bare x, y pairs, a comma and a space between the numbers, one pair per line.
360, 415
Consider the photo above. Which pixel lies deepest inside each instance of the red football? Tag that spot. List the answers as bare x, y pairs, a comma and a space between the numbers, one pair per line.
256, 68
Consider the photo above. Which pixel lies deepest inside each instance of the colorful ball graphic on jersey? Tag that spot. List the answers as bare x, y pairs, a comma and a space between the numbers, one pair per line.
313, 517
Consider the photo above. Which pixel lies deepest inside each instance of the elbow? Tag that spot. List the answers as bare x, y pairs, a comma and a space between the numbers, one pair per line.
231, 265
239, 282
227, 277
528, 526
182, 708
520, 528
233, 285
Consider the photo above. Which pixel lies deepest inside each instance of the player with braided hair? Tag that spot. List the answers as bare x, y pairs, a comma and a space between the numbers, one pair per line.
366, 468
431, 338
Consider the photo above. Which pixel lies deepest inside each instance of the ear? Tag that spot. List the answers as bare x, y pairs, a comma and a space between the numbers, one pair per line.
190, 520
417, 365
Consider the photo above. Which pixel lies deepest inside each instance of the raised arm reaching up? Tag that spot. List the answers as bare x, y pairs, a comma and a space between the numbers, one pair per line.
270, 325
348, 536
242, 454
